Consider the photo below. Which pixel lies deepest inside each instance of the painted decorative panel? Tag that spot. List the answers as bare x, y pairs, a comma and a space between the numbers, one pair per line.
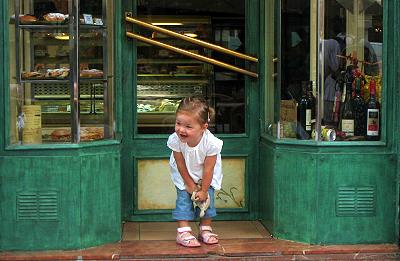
156, 190
232, 193
154, 185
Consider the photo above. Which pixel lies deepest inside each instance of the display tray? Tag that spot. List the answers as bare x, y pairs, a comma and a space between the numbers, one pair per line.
42, 22
90, 77
156, 118
54, 74
45, 78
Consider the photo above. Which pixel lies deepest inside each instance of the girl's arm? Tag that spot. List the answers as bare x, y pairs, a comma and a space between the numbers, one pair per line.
208, 171
180, 163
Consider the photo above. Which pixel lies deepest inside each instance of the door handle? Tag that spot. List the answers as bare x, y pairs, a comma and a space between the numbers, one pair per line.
194, 41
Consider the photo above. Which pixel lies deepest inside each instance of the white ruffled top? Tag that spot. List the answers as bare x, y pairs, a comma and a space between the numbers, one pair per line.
209, 145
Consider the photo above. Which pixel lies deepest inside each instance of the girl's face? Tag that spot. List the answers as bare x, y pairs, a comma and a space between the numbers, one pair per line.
188, 128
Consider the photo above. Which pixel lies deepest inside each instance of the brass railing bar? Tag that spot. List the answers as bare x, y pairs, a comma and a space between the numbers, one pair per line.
192, 55
192, 40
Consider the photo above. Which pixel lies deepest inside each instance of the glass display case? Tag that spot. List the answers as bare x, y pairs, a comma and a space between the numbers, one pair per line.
164, 77
60, 88
331, 63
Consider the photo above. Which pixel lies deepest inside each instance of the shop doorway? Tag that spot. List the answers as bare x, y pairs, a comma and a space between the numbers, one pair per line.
162, 73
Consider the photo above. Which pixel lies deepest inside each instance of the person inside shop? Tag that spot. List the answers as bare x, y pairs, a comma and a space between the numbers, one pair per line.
332, 70
196, 170
44, 7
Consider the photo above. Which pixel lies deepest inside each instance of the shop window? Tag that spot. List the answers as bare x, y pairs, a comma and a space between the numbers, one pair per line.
61, 59
330, 84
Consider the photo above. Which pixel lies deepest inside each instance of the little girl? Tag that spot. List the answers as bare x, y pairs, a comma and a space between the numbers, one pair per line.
196, 155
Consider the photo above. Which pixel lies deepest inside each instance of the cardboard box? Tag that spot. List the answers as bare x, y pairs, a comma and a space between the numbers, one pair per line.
288, 111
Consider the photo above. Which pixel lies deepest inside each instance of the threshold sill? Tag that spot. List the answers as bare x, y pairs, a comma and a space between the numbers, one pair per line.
287, 141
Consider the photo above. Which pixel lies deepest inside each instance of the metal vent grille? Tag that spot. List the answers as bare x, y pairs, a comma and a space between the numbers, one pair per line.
355, 201
40, 89
42, 206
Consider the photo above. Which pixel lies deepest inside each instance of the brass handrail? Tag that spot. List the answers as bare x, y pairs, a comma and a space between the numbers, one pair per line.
192, 40
190, 54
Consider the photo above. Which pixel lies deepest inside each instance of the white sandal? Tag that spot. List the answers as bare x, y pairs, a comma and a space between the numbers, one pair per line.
185, 237
206, 234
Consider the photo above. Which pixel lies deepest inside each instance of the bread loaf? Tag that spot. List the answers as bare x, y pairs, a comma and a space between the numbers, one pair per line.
61, 135
27, 18
86, 134
26, 75
55, 17
93, 73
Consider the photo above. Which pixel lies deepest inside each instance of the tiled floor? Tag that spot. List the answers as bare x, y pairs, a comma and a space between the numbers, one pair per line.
239, 240
167, 230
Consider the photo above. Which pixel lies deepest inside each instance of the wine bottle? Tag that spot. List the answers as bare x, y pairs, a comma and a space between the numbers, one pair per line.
313, 103
340, 93
347, 113
373, 114
360, 112
304, 112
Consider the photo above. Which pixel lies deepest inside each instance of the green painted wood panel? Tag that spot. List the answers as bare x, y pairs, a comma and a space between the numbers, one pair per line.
376, 171
40, 175
60, 202
266, 187
100, 199
295, 205
307, 187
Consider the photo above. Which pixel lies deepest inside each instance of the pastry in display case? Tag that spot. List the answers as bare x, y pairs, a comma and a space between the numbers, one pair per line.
47, 68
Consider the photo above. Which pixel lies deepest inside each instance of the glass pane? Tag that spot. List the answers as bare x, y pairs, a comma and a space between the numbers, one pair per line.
42, 63
165, 77
39, 72
95, 91
352, 60
272, 49
296, 52
352, 69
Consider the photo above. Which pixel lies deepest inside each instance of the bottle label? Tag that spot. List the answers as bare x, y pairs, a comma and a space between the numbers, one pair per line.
373, 122
348, 127
308, 119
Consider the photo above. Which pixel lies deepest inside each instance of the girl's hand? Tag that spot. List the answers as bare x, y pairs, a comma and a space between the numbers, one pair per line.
191, 189
201, 196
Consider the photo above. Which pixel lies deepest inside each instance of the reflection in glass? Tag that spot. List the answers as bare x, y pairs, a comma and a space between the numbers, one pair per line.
352, 56
296, 45
352, 53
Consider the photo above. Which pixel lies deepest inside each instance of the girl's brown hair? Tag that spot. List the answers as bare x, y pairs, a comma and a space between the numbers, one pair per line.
199, 107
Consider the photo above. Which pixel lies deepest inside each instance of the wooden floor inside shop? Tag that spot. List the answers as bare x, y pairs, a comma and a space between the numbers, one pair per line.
167, 230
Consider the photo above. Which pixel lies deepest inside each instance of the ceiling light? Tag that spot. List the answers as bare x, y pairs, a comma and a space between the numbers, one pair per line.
61, 36
191, 35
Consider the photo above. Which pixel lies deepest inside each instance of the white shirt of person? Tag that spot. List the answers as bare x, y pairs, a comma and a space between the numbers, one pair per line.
209, 145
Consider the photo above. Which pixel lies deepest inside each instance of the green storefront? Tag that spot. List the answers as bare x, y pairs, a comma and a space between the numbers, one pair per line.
77, 158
